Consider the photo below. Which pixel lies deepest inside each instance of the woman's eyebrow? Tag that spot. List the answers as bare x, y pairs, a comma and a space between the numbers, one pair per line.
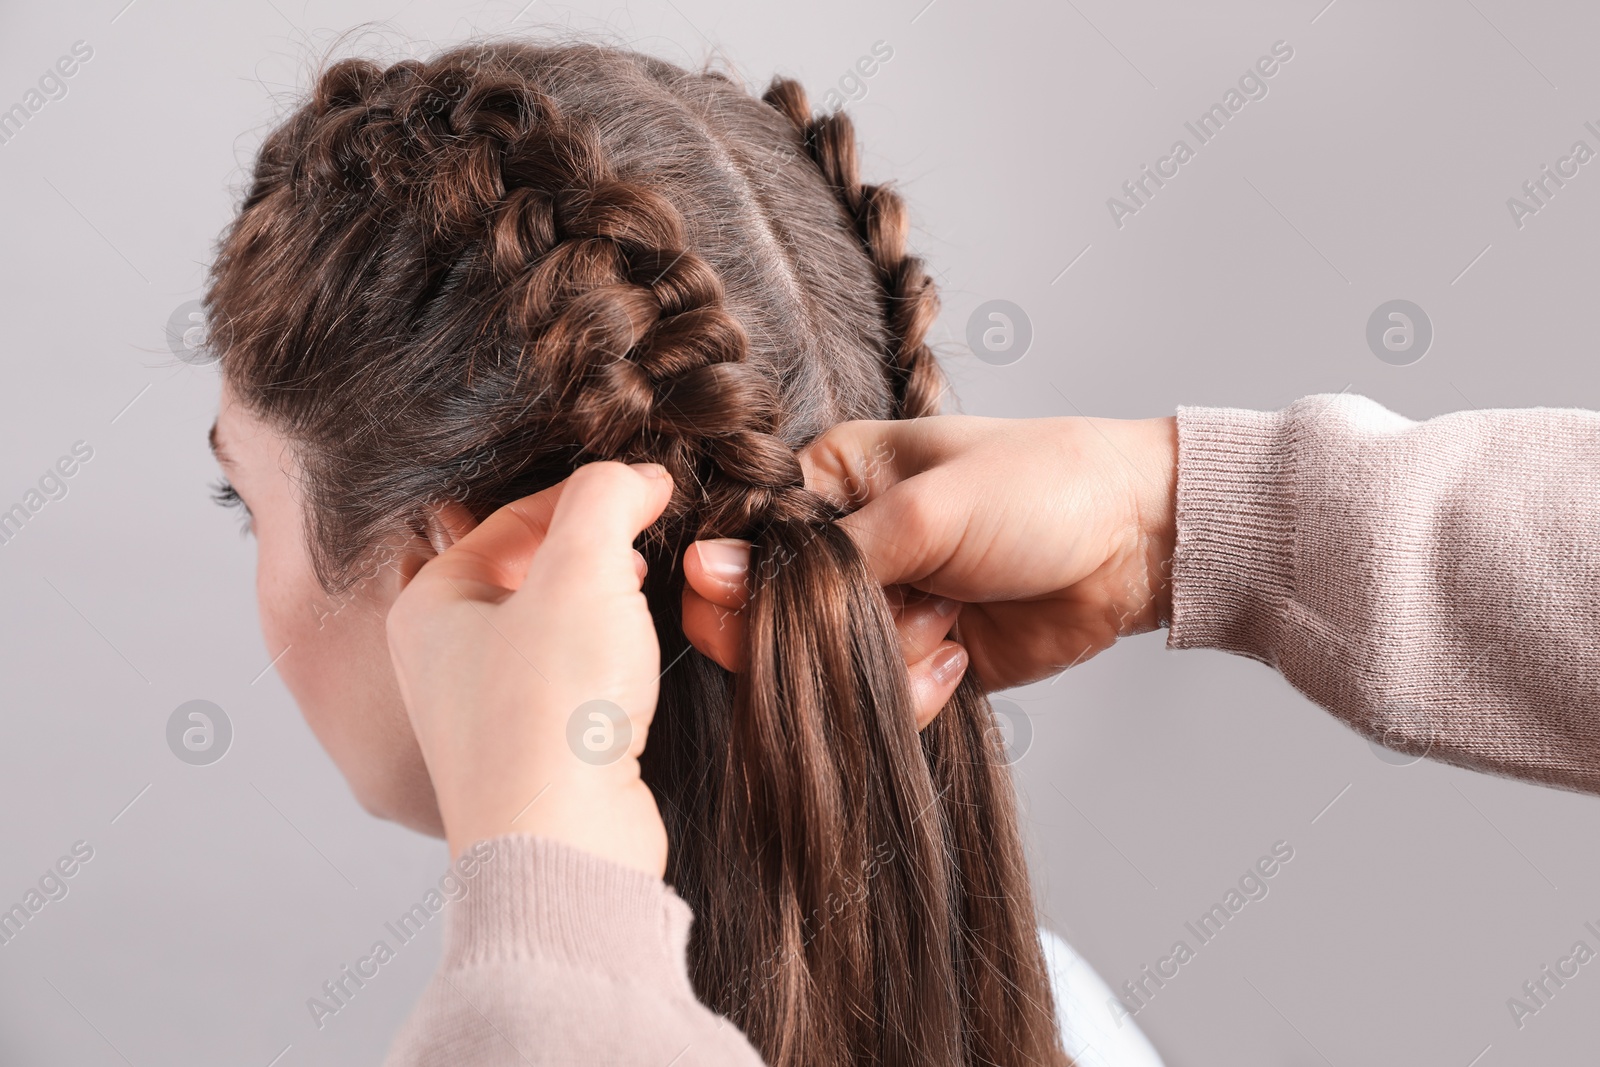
216, 447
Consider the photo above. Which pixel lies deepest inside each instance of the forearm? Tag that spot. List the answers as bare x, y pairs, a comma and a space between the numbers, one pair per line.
1432, 584
555, 955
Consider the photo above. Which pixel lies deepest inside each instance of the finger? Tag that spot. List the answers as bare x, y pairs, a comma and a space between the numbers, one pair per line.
492, 559
602, 509
910, 532
934, 680
714, 630
719, 570
856, 462
871, 469
715, 627
922, 622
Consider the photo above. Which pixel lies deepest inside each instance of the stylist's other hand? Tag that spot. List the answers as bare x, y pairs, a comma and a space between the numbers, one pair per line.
501, 643
1054, 537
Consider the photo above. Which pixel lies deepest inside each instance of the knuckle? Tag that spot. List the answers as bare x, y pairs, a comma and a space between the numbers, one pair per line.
917, 516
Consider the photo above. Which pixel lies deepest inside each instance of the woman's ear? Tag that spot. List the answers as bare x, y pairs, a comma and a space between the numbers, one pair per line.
440, 526
446, 524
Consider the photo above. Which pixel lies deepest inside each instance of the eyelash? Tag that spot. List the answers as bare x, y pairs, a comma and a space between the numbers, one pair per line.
225, 495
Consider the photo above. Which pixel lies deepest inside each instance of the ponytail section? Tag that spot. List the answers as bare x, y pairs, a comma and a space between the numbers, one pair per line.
826, 750
896, 933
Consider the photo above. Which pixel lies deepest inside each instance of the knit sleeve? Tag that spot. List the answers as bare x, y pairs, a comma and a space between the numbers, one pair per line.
557, 956
1434, 584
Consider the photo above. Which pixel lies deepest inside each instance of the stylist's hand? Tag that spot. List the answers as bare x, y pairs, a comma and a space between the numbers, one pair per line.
499, 641
1054, 537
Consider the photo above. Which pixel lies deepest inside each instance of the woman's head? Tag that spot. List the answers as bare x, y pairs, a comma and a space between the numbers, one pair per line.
453, 281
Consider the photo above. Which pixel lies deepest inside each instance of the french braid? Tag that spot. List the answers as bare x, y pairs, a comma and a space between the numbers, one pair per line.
881, 221
463, 277
624, 325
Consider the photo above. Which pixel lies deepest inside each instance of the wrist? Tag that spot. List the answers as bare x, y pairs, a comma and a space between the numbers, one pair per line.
606, 811
1155, 505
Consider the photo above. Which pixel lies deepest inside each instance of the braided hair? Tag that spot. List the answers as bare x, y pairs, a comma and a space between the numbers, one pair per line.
462, 278
881, 222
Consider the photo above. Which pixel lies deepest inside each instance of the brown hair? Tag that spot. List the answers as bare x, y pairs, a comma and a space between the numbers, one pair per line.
464, 277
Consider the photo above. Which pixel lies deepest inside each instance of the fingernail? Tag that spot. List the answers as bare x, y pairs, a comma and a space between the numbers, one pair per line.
944, 607
724, 558
949, 663
651, 470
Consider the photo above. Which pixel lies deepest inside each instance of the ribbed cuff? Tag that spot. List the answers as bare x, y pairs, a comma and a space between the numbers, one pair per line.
1233, 569
535, 898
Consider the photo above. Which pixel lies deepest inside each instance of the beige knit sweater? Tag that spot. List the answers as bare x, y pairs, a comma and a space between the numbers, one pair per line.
1432, 584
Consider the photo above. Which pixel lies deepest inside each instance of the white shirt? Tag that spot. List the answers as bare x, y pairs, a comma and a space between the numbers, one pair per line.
1088, 1032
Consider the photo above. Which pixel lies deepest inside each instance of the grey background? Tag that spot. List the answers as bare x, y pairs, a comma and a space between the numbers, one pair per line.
1378, 167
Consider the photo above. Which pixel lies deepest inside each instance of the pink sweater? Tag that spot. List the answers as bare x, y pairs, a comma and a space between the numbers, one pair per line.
1431, 584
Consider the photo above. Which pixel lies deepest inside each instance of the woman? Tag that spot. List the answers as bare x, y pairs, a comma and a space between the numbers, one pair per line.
451, 284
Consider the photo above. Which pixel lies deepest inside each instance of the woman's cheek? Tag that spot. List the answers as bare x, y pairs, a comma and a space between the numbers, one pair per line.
334, 660
287, 599
306, 634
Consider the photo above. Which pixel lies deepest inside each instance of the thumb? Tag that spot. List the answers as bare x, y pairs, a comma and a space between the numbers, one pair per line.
603, 507
869, 469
